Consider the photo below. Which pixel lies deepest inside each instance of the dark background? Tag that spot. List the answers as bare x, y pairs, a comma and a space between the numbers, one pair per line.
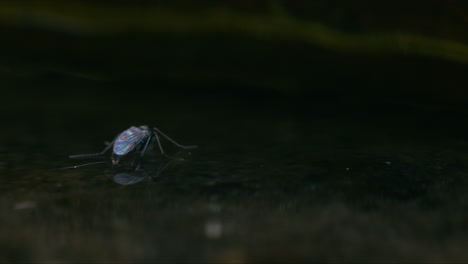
328, 130
359, 53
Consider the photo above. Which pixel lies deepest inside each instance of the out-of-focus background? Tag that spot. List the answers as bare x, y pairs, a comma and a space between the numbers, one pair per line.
355, 52
327, 130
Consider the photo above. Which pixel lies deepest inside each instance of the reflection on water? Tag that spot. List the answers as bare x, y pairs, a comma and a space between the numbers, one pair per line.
126, 178
126, 175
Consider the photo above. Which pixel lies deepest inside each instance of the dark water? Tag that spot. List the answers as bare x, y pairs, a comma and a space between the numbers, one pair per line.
326, 131
273, 179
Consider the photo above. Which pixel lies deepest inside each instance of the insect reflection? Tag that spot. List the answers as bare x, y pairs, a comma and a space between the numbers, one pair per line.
132, 177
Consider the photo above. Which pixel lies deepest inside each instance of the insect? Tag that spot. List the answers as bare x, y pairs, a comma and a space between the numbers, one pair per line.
134, 138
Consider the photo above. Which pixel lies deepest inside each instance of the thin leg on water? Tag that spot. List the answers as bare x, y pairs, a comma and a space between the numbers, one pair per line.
143, 153
93, 155
160, 147
146, 145
82, 165
173, 142
159, 142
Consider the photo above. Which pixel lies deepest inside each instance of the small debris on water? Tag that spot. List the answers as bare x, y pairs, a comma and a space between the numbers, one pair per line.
24, 205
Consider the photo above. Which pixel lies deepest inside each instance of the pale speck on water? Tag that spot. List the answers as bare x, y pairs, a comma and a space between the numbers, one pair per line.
24, 205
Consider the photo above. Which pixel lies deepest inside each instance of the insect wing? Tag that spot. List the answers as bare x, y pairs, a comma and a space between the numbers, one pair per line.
128, 140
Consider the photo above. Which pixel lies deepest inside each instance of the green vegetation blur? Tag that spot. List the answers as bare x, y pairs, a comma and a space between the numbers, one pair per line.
290, 47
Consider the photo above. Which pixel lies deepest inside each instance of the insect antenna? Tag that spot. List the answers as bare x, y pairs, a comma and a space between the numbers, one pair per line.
82, 165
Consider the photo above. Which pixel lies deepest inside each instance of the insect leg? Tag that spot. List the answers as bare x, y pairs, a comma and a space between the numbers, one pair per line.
159, 142
144, 150
82, 165
160, 147
93, 155
173, 142
146, 145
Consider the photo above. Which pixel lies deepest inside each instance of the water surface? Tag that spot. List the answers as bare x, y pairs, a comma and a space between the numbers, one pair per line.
274, 178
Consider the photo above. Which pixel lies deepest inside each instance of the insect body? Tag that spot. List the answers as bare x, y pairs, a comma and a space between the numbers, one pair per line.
134, 138
129, 139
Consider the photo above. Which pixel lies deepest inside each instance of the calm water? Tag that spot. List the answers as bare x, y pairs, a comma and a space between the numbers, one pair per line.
273, 179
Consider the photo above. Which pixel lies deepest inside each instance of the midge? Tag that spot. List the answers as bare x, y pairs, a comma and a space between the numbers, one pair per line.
134, 138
